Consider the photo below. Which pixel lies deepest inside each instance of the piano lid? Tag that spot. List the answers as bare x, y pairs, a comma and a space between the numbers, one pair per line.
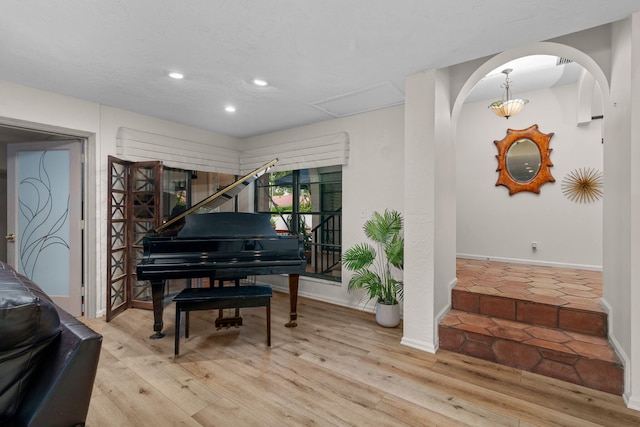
227, 225
221, 196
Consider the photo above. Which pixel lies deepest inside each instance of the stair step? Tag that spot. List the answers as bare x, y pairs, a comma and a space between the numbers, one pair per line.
567, 355
546, 320
541, 311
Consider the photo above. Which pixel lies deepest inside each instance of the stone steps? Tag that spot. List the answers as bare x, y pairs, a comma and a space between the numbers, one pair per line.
505, 319
550, 313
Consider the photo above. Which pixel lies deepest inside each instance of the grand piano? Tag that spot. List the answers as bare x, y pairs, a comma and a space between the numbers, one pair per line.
220, 246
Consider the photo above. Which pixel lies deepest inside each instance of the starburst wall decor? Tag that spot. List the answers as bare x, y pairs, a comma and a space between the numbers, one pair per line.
583, 185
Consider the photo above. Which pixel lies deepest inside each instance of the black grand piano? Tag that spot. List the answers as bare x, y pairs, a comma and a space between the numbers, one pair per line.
220, 246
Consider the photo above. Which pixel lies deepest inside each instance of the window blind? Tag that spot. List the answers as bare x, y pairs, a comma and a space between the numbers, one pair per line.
139, 146
318, 151
315, 152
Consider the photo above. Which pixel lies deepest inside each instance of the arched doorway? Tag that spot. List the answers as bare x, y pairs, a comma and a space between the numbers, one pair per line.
459, 116
539, 226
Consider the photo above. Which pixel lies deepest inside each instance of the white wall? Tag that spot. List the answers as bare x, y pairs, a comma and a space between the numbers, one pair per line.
32, 108
492, 224
632, 389
622, 210
429, 205
373, 180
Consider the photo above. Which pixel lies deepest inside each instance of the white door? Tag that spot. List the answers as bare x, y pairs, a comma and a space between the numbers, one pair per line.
44, 217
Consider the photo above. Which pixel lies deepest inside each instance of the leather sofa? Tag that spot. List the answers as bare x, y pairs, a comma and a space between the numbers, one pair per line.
48, 359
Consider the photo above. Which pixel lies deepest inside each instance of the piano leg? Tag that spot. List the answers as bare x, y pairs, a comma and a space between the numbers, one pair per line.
293, 300
157, 295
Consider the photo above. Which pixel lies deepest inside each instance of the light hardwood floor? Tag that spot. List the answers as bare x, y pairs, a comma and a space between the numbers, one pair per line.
336, 368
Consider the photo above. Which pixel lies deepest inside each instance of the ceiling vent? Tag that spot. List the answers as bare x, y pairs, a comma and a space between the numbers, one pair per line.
370, 98
563, 61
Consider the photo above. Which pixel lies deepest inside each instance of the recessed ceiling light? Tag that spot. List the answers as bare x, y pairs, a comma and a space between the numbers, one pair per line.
260, 82
176, 75
230, 109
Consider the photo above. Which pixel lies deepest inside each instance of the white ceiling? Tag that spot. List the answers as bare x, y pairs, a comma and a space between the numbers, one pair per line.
322, 58
528, 73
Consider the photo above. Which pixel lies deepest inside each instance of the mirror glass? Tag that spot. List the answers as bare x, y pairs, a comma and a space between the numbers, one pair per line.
523, 160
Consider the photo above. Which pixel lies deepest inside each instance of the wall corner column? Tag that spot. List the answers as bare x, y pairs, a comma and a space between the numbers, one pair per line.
632, 388
427, 131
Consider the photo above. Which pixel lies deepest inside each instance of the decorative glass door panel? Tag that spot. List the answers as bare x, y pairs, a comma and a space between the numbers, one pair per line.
45, 191
43, 224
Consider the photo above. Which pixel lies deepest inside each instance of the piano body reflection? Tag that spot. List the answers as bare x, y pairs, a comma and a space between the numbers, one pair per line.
220, 246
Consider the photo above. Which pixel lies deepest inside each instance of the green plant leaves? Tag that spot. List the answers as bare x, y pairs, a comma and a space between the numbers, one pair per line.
395, 251
358, 257
381, 228
372, 265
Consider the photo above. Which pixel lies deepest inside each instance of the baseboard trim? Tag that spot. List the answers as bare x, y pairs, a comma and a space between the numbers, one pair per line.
419, 345
531, 262
624, 358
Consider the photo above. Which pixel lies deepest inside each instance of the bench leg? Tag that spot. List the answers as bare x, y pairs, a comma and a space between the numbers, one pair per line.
186, 324
176, 348
268, 325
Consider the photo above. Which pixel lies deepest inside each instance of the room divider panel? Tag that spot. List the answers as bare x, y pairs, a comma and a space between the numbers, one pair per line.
135, 201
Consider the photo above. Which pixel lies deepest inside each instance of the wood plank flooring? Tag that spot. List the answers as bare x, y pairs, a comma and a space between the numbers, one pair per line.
337, 368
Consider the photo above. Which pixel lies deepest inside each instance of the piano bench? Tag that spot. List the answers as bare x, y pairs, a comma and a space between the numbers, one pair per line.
192, 299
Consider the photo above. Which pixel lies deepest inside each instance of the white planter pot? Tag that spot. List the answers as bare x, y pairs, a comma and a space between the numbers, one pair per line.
388, 315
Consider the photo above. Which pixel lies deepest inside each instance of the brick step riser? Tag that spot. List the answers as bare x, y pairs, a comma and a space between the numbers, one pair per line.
566, 318
595, 374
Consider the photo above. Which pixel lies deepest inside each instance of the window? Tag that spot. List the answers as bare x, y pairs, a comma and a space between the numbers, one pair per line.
309, 201
176, 195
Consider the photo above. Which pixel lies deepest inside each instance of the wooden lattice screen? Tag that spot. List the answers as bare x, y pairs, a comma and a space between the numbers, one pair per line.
134, 208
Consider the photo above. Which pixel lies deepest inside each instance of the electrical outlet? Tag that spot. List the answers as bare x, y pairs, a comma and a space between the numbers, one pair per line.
534, 245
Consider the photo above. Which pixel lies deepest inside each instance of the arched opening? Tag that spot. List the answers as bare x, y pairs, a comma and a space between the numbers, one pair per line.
509, 228
539, 225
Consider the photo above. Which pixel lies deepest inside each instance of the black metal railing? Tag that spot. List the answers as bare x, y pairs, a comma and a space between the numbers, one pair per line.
325, 246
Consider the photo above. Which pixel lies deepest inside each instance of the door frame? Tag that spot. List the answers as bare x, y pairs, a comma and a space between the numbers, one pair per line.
91, 269
72, 300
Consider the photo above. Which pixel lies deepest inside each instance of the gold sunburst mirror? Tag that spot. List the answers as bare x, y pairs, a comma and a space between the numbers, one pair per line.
524, 160
583, 185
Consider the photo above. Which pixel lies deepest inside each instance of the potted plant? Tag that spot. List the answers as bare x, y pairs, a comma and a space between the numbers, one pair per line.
373, 265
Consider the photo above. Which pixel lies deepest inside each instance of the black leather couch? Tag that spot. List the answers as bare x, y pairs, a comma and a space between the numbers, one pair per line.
48, 359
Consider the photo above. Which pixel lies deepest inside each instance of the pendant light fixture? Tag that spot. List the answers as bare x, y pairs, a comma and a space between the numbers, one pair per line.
507, 107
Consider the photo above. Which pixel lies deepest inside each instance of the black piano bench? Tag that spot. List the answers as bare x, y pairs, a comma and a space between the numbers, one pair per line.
192, 299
